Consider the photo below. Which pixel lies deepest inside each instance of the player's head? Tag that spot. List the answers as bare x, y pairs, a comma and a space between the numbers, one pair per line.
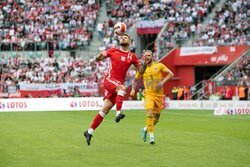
125, 40
148, 56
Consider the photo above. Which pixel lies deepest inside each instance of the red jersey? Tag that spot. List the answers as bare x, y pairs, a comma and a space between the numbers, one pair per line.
120, 61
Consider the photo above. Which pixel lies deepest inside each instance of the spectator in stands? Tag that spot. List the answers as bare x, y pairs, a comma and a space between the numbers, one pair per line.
174, 93
223, 93
180, 94
99, 29
77, 92
243, 91
229, 93
215, 96
186, 92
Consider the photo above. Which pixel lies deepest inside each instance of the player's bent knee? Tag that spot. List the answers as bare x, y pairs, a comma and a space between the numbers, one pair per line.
121, 90
121, 87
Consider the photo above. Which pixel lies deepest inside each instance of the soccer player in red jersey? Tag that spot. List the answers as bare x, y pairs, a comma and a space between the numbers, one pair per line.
120, 59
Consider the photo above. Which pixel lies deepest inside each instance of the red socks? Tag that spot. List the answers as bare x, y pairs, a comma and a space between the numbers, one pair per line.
119, 101
97, 120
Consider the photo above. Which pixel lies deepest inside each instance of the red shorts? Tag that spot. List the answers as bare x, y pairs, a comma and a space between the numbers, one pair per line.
110, 86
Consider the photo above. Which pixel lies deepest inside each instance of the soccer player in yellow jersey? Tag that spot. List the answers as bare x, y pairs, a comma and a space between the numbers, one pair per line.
153, 82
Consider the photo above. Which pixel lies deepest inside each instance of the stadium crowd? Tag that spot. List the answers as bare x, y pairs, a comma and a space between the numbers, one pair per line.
64, 24
228, 27
49, 69
184, 20
128, 12
238, 75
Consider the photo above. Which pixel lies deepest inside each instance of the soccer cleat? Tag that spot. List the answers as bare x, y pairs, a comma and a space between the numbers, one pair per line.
144, 134
88, 137
152, 140
119, 117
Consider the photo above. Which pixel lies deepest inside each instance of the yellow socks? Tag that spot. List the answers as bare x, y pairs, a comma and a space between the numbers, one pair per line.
155, 122
150, 124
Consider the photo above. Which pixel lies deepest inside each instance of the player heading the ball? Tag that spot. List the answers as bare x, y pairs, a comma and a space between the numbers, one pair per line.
120, 61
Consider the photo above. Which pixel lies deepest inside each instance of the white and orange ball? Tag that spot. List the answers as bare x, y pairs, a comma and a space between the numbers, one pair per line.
120, 28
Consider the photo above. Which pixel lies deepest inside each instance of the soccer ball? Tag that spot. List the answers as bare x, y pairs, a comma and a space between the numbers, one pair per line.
120, 28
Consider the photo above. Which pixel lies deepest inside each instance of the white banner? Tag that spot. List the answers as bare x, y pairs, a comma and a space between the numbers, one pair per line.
83, 87
206, 104
95, 103
50, 104
190, 51
151, 24
60, 104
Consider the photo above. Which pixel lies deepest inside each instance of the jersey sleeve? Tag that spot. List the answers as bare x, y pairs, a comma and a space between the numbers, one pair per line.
163, 68
110, 51
135, 62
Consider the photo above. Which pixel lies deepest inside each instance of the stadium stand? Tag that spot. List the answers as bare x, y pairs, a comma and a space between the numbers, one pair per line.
237, 75
130, 12
228, 27
49, 69
184, 18
39, 25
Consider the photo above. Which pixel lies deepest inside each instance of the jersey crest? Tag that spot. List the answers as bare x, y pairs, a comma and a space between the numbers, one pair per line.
123, 58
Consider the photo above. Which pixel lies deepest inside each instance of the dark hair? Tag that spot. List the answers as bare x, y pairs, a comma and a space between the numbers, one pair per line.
126, 35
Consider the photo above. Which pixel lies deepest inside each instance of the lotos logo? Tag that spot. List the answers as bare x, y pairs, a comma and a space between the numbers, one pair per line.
84, 104
13, 105
238, 111
2, 105
73, 104
229, 112
242, 111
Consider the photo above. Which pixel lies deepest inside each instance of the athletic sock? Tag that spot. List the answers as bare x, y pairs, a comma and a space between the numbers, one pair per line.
96, 121
151, 135
155, 122
149, 123
90, 131
117, 113
118, 102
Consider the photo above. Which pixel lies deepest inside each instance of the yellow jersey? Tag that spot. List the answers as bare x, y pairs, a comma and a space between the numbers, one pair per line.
151, 77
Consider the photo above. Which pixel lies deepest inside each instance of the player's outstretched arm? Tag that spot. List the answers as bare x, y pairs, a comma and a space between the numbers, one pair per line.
100, 56
141, 68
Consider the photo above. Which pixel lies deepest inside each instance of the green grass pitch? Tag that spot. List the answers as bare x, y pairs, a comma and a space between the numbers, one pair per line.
183, 138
